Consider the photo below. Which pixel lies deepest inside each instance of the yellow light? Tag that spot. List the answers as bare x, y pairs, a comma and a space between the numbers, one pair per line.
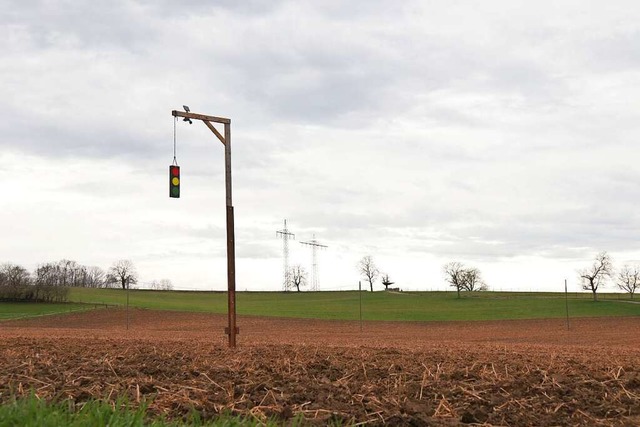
175, 181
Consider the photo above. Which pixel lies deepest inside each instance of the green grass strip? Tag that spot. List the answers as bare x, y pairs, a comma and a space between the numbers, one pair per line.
407, 306
18, 310
34, 412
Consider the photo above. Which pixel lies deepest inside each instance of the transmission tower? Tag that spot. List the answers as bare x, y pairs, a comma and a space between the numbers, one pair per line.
286, 235
314, 257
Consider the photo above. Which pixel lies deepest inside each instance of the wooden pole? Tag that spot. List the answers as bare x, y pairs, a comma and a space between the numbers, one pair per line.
566, 301
231, 251
127, 306
360, 293
232, 330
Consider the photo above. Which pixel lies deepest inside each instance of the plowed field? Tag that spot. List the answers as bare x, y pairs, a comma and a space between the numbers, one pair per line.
520, 373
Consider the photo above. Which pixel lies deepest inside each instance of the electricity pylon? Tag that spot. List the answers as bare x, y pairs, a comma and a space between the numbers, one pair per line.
285, 234
314, 258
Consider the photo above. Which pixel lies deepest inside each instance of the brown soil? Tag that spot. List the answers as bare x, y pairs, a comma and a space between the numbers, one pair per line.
526, 372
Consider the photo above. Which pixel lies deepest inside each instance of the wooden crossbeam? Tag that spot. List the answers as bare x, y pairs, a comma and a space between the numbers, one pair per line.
176, 113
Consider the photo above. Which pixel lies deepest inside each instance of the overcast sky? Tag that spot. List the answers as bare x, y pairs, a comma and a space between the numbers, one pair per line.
502, 134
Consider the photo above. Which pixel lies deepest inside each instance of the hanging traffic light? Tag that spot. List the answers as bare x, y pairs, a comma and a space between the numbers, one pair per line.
174, 181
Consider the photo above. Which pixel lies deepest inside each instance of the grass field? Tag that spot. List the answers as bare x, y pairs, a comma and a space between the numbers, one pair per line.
411, 306
13, 310
32, 411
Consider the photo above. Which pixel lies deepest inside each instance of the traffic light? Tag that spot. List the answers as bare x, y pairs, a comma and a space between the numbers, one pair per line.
174, 181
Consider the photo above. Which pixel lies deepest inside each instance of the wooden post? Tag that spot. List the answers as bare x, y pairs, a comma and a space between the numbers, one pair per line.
127, 306
360, 293
232, 330
566, 301
231, 243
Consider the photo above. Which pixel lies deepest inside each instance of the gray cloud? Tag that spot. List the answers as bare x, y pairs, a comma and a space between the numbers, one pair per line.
485, 131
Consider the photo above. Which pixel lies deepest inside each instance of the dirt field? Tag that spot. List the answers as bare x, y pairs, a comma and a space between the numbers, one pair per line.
533, 373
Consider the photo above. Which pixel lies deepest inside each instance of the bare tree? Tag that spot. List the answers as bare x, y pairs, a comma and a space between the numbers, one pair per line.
95, 277
368, 270
473, 281
454, 274
15, 275
596, 275
386, 281
67, 271
46, 274
49, 284
629, 279
162, 285
14, 283
463, 278
123, 273
61, 274
298, 276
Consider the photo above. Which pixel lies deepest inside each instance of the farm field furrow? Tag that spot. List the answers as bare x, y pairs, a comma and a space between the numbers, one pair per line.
522, 372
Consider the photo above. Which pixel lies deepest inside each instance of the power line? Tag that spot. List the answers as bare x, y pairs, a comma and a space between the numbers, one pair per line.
285, 234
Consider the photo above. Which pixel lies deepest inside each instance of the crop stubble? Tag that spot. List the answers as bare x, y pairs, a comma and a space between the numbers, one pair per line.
437, 373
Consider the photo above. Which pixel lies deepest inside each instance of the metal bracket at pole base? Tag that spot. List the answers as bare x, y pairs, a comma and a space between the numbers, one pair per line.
226, 330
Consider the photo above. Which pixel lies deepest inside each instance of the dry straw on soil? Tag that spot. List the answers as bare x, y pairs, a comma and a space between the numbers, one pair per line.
491, 373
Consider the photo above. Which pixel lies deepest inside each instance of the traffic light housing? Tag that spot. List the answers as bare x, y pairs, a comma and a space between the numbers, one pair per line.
174, 181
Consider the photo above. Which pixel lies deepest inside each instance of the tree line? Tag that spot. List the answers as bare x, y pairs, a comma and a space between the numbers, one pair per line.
370, 272
17, 284
591, 278
469, 279
457, 275
50, 282
601, 270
